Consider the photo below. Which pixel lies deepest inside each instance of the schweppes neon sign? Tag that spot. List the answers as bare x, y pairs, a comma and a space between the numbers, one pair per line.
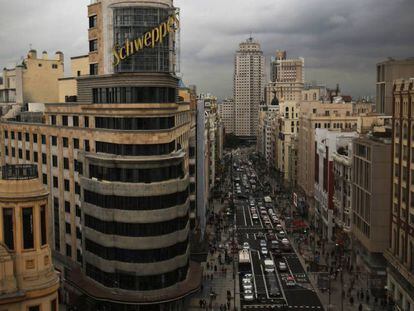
148, 40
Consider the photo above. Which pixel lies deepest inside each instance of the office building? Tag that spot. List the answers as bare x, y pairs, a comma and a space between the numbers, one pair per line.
116, 163
371, 194
226, 112
400, 256
387, 72
28, 280
249, 79
327, 142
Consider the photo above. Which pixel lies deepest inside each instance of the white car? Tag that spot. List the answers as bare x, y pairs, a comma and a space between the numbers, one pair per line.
248, 295
247, 286
279, 227
264, 251
282, 266
246, 245
263, 243
248, 276
255, 216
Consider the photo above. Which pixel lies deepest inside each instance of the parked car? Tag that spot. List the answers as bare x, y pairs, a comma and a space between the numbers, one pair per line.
255, 216
290, 281
264, 251
248, 295
281, 234
246, 245
263, 243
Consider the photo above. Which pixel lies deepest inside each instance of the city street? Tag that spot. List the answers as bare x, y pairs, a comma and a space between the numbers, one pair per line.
260, 230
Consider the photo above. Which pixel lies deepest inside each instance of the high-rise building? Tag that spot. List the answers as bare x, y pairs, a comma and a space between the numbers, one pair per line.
249, 79
387, 72
28, 280
400, 256
286, 70
116, 164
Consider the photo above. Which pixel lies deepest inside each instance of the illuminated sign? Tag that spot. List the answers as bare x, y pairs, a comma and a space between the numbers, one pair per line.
147, 40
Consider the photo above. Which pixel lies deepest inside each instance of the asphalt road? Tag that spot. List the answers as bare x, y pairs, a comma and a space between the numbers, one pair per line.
298, 297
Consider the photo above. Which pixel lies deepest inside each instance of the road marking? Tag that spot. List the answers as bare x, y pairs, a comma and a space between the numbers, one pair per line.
264, 280
244, 216
253, 275
278, 279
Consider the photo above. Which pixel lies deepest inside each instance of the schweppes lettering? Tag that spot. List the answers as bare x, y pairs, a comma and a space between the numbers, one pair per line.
148, 40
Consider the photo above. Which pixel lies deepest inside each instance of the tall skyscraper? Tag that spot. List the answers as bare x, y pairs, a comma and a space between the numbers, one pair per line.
400, 256
249, 79
116, 163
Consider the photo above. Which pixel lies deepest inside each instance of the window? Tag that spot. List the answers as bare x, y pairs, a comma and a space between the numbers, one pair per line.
53, 305
35, 157
68, 250
78, 253
53, 120
43, 224
43, 139
67, 207
6, 150
44, 158
65, 120
12, 135
93, 21
54, 141
56, 223
78, 211
44, 177
75, 121
133, 124
77, 188
28, 155
93, 69
19, 136
35, 308
93, 45
67, 228
66, 185
54, 66
28, 238
20, 153
27, 137
8, 230
86, 147
66, 163
55, 182
6, 134
135, 150
65, 142
134, 95
54, 161
86, 121
76, 143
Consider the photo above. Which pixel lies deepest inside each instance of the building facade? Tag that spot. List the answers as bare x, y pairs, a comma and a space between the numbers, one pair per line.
249, 79
116, 164
327, 142
28, 279
35, 80
226, 112
400, 256
371, 194
387, 72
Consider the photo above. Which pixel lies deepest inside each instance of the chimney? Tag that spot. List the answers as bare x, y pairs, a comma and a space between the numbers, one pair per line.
32, 54
59, 56
44, 55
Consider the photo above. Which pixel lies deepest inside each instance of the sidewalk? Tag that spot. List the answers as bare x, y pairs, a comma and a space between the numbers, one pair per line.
218, 278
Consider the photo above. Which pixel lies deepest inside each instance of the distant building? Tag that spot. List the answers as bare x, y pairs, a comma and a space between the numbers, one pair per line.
226, 112
400, 256
68, 86
249, 79
387, 72
35, 80
28, 280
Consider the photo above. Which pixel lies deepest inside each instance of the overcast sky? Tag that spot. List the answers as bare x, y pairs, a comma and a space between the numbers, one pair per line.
341, 40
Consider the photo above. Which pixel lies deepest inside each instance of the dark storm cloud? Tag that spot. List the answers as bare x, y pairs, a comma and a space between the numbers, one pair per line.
340, 40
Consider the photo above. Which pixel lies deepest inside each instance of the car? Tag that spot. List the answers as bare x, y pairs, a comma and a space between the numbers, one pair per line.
246, 245
282, 266
271, 236
279, 228
276, 252
248, 295
270, 211
281, 234
263, 243
255, 216
290, 281
263, 212
274, 244
248, 286
248, 276
264, 251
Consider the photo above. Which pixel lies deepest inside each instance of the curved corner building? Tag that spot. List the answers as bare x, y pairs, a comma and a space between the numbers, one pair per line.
135, 177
